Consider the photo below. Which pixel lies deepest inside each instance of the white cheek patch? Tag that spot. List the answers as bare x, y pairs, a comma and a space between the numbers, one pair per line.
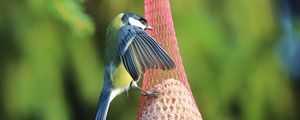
136, 22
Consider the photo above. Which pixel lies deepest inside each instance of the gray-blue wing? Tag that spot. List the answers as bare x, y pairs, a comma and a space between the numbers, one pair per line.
139, 52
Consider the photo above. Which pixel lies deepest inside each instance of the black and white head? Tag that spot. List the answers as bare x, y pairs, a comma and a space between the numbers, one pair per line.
135, 20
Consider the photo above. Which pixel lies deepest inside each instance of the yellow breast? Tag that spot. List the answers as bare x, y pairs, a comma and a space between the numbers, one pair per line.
121, 78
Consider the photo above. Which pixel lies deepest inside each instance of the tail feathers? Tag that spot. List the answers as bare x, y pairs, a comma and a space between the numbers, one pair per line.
103, 105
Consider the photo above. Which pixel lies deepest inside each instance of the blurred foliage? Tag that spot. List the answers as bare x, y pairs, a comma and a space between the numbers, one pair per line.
51, 55
70, 12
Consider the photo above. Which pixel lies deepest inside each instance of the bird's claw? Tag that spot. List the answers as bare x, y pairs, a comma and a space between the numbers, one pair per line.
153, 93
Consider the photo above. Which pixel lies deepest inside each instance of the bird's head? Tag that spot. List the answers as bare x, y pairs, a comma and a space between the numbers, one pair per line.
135, 20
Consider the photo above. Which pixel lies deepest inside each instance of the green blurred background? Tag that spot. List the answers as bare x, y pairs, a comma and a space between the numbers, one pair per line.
51, 59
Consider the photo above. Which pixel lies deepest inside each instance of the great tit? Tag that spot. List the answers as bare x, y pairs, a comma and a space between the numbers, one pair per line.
129, 52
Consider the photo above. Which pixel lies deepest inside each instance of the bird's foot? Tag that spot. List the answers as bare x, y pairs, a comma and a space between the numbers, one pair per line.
153, 93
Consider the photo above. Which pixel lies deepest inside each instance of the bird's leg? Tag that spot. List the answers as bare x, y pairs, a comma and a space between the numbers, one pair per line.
147, 93
127, 93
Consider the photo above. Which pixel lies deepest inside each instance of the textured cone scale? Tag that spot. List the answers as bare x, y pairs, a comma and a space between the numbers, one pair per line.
176, 100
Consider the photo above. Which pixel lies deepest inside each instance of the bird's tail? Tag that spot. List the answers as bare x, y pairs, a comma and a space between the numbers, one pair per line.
103, 105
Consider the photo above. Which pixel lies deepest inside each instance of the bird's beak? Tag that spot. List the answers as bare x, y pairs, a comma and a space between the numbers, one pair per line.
149, 27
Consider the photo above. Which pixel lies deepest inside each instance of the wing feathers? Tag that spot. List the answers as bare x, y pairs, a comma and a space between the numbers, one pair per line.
140, 52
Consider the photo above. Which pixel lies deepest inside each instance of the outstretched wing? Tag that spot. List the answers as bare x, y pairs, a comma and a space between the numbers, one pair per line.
140, 52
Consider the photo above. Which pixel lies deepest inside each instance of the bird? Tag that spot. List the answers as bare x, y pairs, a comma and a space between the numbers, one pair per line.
129, 52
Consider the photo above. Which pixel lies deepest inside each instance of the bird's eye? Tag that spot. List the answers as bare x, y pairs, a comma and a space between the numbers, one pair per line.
143, 21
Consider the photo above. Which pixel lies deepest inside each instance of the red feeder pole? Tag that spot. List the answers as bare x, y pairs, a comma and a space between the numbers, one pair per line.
176, 100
